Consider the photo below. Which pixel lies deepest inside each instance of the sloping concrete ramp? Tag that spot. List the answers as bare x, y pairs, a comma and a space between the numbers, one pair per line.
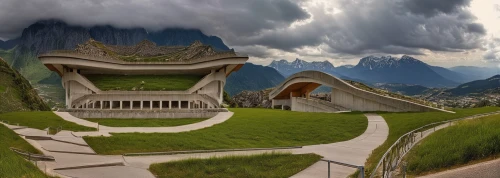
294, 92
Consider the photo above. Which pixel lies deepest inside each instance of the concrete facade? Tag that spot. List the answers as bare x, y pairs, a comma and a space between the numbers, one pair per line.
296, 90
82, 94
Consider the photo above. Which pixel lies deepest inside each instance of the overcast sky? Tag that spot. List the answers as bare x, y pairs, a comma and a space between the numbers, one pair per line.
439, 32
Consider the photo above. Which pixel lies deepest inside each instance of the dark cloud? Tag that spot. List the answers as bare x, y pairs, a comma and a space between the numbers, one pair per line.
431, 8
379, 26
229, 17
254, 26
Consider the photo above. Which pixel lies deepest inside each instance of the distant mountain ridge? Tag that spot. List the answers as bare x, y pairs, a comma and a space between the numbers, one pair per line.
477, 86
385, 69
252, 77
288, 68
405, 70
9, 44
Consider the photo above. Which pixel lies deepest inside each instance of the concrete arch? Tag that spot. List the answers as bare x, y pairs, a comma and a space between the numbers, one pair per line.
299, 85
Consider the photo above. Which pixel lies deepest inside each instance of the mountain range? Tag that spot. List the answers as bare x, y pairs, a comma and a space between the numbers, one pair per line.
252, 77
478, 86
385, 69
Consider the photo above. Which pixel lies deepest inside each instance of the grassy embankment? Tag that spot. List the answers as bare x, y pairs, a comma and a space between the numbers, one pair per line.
248, 128
151, 82
402, 123
16, 93
42, 120
145, 122
265, 165
11, 164
466, 142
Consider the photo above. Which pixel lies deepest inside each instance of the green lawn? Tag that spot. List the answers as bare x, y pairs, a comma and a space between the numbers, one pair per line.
11, 164
248, 128
41, 120
402, 123
151, 82
145, 122
265, 165
459, 144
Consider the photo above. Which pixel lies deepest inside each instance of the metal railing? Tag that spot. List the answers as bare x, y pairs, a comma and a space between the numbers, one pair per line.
393, 156
32, 156
360, 168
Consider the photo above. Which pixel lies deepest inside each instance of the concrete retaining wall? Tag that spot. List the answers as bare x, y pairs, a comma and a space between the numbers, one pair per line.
143, 114
309, 105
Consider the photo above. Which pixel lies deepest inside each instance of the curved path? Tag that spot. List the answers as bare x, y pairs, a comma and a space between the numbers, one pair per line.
354, 151
105, 130
74, 158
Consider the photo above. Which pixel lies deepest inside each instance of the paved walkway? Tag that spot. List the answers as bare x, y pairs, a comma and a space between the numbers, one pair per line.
74, 158
488, 169
105, 130
354, 151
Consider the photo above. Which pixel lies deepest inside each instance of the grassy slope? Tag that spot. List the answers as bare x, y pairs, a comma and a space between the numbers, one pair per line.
151, 82
401, 123
42, 120
248, 128
457, 145
265, 165
18, 94
145, 122
11, 164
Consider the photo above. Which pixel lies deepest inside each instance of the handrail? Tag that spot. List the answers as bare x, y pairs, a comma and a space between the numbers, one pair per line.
410, 137
361, 168
32, 156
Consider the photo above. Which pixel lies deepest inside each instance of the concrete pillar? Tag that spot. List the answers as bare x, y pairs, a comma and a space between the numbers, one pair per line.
169, 104
189, 105
101, 103
110, 104
131, 104
141, 104
121, 105
179, 104
161, 105
150, 105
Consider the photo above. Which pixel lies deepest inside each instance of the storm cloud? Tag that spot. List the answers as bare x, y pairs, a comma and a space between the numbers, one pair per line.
340, 27
229, 17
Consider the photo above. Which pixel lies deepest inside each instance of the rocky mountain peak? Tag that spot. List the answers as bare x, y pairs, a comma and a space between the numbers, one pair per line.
372, 62
196, 43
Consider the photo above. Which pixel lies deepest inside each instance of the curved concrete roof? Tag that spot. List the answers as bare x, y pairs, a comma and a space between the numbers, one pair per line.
313, 78
52, 60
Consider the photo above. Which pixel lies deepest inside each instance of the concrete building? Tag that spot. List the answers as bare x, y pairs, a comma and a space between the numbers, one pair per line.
295, 90
84, 72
